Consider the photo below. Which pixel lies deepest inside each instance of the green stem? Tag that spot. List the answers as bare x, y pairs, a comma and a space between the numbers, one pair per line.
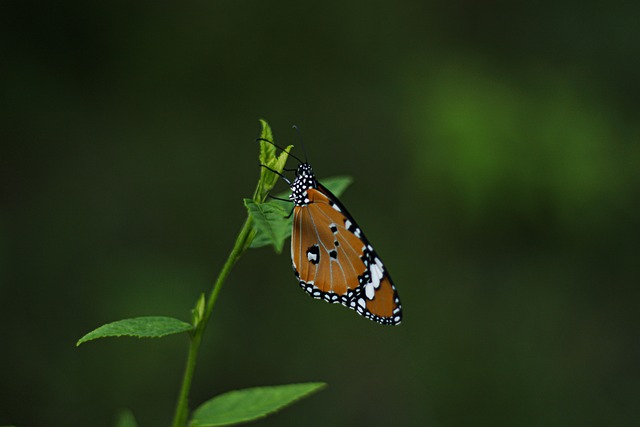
182, 406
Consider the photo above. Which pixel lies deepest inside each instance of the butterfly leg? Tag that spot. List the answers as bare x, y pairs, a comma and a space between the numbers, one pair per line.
283, 200
279, 198
290, 213
278, 173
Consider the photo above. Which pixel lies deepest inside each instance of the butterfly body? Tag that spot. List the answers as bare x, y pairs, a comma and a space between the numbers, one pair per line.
332, 258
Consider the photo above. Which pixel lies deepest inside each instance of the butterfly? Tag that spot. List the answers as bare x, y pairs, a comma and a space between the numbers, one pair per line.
332, 258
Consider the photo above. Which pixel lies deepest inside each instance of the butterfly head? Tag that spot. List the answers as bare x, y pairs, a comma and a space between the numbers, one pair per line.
305, 179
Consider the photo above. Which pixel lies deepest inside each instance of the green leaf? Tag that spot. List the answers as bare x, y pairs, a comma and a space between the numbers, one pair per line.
140, 327
197, 312
270, 158
267, 151
125, 418
241, 406
274, 228
337, 184
269, 222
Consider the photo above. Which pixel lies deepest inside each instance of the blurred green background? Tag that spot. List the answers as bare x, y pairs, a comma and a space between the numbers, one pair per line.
495, 151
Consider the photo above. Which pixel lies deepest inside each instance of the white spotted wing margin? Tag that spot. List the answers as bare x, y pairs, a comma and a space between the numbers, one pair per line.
334, 261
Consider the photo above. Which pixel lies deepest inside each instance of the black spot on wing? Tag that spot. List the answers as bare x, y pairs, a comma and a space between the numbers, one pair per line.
313, 254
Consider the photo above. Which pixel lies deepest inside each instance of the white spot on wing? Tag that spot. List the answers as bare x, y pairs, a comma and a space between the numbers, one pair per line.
376, 275
369, 290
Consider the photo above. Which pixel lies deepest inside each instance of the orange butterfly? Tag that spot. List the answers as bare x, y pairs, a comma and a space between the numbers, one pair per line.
332, 258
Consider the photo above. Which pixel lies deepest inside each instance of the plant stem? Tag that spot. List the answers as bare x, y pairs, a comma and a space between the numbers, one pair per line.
241, 245
182, 405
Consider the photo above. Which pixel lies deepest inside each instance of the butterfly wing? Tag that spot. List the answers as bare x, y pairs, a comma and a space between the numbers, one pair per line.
334, 261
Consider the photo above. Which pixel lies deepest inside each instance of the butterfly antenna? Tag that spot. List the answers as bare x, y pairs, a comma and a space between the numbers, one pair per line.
280, 148
301, 142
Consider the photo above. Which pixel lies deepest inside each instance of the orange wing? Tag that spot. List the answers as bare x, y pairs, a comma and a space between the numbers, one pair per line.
334, 261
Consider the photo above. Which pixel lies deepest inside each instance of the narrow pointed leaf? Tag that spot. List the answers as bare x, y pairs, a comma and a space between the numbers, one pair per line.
241, 406
337, 184
140, 327
273, 158
267, 151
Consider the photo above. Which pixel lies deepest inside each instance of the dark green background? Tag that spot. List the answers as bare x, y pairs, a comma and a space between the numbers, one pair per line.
495, 153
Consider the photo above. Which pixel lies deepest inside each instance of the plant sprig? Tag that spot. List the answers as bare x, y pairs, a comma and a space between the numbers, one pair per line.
266, 224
